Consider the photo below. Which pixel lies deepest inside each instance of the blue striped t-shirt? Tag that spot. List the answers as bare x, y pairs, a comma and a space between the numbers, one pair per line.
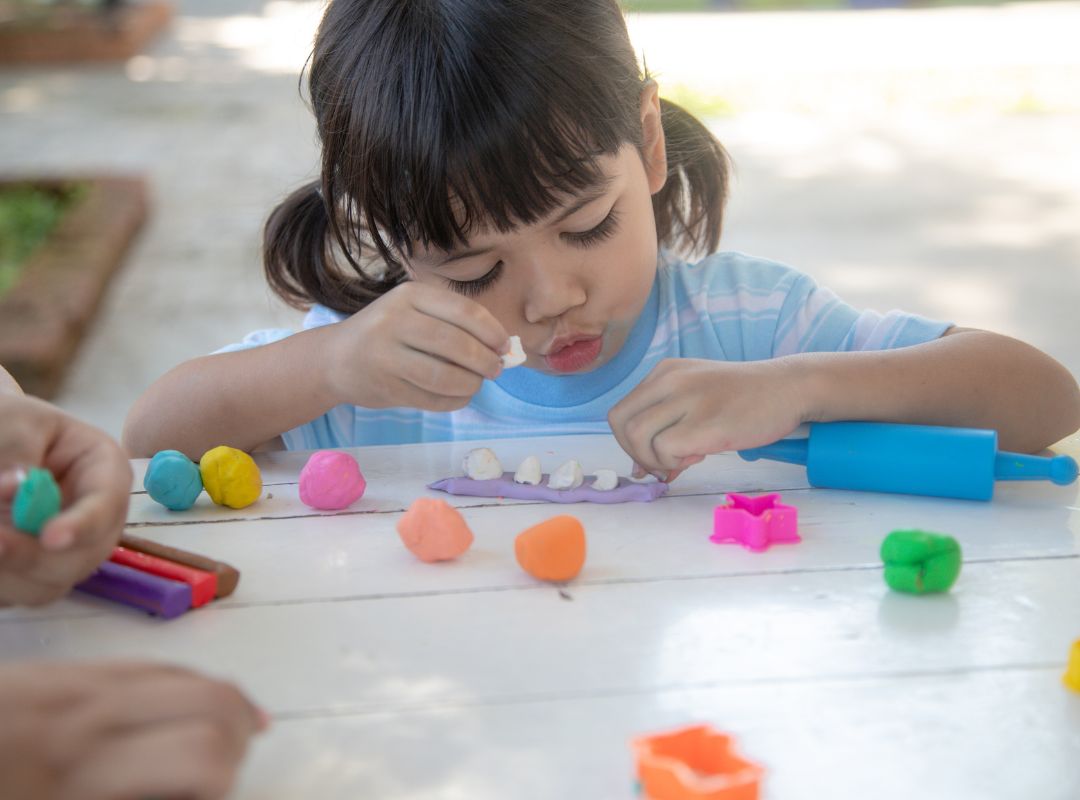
727, 307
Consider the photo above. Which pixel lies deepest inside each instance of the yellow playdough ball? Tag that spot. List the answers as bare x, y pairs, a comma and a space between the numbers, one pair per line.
230, 477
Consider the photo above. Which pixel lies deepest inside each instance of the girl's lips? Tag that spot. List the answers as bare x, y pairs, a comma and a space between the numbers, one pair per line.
574, 356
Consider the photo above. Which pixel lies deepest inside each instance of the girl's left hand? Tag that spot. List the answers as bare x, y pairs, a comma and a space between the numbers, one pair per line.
687, 409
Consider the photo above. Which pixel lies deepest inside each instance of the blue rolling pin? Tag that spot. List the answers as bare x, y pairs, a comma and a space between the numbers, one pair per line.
911, 459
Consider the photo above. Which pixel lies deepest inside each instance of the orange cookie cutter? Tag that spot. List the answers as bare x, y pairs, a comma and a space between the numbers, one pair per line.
694, 763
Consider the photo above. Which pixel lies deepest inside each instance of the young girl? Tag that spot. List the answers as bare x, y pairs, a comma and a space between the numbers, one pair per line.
503, 168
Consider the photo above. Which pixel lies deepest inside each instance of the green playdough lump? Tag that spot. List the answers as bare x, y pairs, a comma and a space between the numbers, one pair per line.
36, 501
919, 562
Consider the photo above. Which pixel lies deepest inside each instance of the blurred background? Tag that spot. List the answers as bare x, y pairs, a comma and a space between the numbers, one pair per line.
921, 157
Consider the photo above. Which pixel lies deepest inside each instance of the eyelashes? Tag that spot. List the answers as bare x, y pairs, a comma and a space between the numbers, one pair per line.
599, 233
475, 287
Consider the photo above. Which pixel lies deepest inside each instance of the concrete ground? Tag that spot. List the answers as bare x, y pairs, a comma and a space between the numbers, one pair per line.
922, 159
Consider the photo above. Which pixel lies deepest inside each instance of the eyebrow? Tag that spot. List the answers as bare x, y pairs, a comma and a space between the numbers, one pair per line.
595, 193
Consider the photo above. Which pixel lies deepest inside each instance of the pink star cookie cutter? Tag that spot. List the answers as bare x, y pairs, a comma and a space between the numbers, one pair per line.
755, 522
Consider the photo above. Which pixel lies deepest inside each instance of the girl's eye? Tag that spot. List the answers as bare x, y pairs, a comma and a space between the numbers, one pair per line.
603, 231
475, 287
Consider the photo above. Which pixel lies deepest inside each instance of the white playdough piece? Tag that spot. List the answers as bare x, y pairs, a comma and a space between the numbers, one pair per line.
567, 476
529, 472
605, 480
516, 356
482, 464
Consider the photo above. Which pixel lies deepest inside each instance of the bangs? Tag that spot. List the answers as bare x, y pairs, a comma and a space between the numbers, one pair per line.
484, 126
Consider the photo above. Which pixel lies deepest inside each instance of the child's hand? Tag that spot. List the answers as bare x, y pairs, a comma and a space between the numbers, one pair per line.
417, 346
687, 409
106, 731
95, 479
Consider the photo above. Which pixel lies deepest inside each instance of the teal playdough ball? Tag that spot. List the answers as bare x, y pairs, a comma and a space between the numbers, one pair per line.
37, 500
173, 480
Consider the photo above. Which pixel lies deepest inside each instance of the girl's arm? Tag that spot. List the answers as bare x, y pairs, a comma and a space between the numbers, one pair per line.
416, 346
967, 378
687, 409
242, 399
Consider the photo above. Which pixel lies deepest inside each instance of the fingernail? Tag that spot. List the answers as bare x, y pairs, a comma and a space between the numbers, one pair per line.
264, 719
638, 471
504, 348
11, 478
58, 540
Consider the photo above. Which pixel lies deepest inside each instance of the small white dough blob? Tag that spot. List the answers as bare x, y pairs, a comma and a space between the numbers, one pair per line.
516, 356
528, 472
482, 464
605, 480
567, 476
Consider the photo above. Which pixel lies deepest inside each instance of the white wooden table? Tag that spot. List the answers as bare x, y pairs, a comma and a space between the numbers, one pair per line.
390, 678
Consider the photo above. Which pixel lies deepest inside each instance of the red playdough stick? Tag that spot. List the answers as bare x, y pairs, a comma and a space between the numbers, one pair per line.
203, 584
227, 577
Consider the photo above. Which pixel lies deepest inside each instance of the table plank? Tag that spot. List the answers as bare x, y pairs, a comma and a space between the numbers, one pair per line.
398, 653
398, 475
1000, 735
343, 556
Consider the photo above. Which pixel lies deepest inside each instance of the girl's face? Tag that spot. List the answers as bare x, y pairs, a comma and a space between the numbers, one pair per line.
571, 285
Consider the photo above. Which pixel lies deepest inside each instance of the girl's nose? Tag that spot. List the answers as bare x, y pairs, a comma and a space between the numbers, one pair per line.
552, 291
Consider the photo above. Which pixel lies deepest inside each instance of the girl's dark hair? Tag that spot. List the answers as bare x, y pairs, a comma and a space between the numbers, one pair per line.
438, 116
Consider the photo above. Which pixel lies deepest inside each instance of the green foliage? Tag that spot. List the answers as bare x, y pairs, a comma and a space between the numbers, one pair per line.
27, 214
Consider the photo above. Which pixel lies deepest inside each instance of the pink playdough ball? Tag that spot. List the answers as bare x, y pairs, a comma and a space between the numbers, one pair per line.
434, 530
331, 480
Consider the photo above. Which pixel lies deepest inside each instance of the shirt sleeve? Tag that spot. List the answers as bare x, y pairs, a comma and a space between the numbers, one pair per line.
813, 319
256, 339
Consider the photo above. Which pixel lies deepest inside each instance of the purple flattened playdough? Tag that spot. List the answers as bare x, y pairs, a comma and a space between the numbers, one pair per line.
132, 587
626, 492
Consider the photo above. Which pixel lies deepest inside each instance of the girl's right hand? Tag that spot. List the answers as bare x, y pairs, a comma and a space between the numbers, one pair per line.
417, 346
119, 731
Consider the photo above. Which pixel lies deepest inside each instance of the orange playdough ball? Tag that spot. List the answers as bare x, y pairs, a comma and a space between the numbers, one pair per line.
434, 530
554, 550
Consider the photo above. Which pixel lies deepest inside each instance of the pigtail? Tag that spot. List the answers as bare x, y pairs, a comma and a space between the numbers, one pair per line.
299, 258
689, 209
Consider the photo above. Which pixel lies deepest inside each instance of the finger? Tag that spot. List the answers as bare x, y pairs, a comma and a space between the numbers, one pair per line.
452, 344
463, 313
193, 758
67, 568
157, 697
93, 524
18, 551
644, 396
437, 377
687, 462
9, 483
25, 442
95, 476
642, 431
20, 590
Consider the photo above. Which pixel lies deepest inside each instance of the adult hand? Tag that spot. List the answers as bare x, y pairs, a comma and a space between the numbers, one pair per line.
687, 409
417, 346
95, 481
119, 731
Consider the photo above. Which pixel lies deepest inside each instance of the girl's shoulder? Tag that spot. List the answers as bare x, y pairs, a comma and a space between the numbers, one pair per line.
729, 272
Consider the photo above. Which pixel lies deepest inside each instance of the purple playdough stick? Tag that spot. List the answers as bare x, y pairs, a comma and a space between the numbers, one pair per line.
132, 587
625, 492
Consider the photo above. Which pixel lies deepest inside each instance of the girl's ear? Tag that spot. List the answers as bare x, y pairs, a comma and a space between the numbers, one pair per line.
653, 148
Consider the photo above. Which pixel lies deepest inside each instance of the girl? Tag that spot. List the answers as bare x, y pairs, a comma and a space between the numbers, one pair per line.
497, 167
